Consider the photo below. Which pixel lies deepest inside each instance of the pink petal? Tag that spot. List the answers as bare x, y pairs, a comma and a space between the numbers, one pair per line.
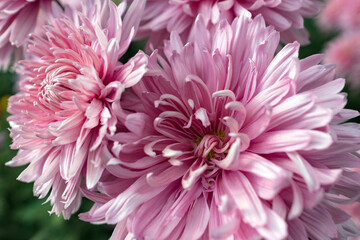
243, 194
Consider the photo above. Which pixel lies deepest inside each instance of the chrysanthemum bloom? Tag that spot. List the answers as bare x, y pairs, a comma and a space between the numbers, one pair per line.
63, 109
341, 14
163, 16
226, 141
345, 52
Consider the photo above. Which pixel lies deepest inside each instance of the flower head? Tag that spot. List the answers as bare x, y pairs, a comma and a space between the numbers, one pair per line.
345, 52
63, 110
162, 16
341, 14
224, 140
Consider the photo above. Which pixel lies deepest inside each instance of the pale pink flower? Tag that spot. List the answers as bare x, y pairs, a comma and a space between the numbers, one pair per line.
163, 16
226, 141
341, 14
63, 110
345, 52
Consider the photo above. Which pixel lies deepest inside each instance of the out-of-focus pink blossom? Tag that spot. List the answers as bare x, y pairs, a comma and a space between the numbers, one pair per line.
341, 14
344, 15
63, 110
18, 18
345, 52
163, 16
226, 141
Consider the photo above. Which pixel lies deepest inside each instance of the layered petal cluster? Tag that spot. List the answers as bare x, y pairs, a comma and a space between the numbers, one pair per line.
223, 140
63, 111
163, 16
18, 18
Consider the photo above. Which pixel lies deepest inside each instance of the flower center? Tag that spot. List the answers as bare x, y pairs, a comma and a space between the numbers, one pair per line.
55, 86
211, 146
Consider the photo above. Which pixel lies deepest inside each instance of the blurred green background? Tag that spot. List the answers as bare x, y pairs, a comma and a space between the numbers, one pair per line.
24, 217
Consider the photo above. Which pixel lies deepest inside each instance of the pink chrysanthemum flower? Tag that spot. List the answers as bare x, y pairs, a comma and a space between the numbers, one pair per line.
345, 52
226, 141
63, 110
341, 14
163, 16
